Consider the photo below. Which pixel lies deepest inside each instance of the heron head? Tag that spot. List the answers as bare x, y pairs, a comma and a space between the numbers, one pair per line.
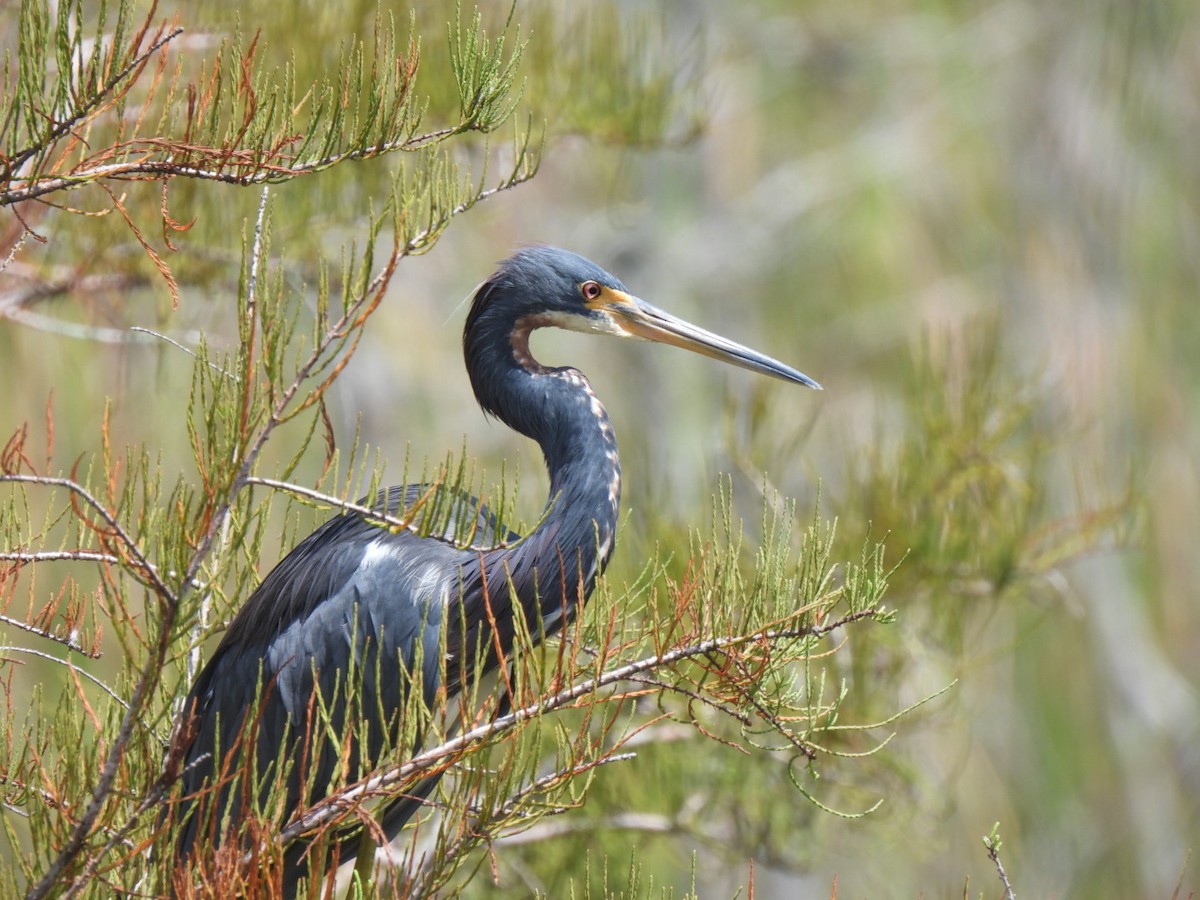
542, 286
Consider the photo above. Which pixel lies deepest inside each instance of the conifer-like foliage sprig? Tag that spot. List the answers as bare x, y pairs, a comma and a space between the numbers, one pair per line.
88, 114
117, 566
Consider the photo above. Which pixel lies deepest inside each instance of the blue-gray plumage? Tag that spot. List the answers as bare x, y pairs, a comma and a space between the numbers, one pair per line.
360, 602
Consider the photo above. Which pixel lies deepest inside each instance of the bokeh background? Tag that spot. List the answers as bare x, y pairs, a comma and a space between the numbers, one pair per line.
978, 225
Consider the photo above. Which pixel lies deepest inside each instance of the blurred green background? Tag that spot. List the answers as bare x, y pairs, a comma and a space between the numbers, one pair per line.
978, 225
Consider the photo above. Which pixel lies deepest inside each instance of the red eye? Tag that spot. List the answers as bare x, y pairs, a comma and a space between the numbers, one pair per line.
590, 290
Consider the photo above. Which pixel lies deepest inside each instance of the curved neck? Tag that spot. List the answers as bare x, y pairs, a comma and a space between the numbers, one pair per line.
554, 568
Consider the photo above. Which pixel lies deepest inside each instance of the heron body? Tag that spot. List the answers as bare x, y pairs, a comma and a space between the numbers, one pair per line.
379, 609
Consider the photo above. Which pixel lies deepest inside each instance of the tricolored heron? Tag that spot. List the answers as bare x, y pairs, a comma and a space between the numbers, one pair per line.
360, 601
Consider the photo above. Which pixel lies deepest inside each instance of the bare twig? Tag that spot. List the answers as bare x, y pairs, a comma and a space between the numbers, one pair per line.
22, 556
68, 664
193, 336
381, 516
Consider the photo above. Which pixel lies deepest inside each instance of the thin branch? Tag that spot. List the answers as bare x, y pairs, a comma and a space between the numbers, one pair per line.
371, 513
22, 556
116, 836
802, 747
67, 641
44, 795
246, 377
68, 664
256, 256
193, 336
694, 697
17, 246
64, 127
25, 557
334, 804
545, 782
141, 563
258, 172
469, 838
381, 516
993, 844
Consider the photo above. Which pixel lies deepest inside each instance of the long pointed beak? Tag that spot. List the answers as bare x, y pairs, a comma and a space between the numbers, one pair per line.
638, 318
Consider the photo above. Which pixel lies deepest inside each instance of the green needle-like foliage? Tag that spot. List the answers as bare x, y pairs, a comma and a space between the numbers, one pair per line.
155, 556
732, 686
